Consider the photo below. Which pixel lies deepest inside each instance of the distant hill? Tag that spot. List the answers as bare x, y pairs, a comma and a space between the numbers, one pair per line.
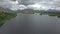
6, 10
52, 10
28, 10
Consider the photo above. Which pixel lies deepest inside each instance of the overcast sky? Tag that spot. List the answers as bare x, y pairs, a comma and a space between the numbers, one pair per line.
31, 4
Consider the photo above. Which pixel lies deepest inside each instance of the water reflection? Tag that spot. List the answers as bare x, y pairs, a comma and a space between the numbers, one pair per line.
1, 24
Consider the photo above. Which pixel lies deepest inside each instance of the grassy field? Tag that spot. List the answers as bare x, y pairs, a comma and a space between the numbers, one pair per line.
6, 16
51, 14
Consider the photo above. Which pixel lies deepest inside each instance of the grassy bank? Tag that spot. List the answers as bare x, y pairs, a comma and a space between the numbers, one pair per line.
6, 16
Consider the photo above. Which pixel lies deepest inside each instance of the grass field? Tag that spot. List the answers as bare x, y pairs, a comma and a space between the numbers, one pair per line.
6, 16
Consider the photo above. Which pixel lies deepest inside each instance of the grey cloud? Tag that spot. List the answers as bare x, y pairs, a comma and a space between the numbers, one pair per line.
51, 3
25, 3
7, 3
13, 0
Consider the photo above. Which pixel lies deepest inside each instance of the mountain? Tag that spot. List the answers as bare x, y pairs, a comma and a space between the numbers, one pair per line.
28, 10
6, 10
52, 10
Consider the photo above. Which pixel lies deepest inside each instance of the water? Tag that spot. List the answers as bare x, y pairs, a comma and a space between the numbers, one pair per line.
31, 24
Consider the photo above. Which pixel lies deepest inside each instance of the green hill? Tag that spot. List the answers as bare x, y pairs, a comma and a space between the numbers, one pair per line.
6, 15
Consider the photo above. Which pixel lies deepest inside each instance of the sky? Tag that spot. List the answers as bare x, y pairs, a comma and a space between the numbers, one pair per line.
30, 4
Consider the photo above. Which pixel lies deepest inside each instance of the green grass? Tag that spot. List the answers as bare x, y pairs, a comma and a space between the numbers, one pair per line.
6, 16
51, 14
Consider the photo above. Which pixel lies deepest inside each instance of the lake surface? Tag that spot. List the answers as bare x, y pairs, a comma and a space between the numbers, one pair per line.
31, 24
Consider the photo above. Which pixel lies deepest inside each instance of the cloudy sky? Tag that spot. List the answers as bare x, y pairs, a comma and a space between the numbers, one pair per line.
30, 4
